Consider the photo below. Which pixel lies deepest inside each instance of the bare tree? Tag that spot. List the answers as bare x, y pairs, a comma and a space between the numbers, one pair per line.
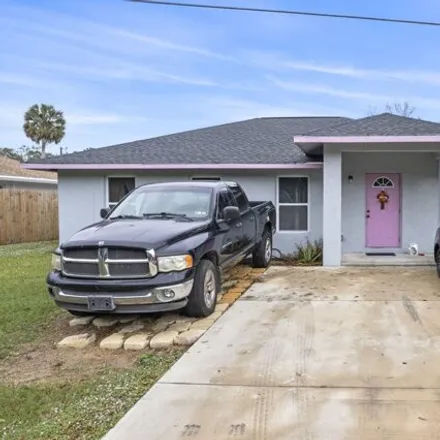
396, 108
401, 109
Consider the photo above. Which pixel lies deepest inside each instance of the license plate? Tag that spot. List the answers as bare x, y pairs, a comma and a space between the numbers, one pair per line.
101, 303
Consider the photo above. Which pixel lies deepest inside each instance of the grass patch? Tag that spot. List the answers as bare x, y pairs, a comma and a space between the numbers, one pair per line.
80, 406
82, 410
25, 303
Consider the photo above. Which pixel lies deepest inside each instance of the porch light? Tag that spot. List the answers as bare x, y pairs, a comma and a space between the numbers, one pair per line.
350, 178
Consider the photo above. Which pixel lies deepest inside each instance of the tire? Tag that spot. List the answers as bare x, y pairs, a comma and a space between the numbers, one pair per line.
203, 297
262, 255
437, 261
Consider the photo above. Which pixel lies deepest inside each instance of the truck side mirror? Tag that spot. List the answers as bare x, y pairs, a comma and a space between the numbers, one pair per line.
231, 213
105, 212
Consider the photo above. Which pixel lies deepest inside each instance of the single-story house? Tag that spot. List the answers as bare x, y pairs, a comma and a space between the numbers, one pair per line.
370, 184
12, 175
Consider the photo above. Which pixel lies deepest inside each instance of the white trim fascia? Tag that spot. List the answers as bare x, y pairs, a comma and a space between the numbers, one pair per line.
41, 180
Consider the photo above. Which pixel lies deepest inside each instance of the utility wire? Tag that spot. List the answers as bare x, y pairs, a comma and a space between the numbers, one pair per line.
288, 12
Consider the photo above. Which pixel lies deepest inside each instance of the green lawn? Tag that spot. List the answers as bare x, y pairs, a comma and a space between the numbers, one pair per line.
26, 308
81, 408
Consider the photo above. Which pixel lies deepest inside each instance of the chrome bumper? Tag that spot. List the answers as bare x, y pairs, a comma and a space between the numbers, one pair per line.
153, 296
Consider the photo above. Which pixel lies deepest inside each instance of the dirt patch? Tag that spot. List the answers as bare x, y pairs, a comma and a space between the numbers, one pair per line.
42, 361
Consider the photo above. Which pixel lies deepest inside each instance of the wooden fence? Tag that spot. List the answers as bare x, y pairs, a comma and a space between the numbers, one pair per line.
28, 215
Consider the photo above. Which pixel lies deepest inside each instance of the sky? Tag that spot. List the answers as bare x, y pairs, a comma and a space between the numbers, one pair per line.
122, 71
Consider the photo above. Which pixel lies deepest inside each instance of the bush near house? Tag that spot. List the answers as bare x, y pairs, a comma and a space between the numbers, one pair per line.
308, 253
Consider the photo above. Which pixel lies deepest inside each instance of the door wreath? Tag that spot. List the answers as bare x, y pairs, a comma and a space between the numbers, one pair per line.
383, 198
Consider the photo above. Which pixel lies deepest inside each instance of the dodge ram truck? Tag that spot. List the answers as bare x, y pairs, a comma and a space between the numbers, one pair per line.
163, 247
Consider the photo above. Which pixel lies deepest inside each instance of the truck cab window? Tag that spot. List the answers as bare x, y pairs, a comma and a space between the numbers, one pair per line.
242, 201
224, 199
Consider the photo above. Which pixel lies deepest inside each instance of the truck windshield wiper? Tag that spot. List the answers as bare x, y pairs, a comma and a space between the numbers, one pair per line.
167, 214
125, 216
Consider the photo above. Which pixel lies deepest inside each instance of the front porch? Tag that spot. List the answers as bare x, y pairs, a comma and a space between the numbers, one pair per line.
356, 174
355, 221
398, 259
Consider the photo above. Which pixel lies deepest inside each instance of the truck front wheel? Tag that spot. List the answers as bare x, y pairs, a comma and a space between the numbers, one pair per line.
203, 298
262, 255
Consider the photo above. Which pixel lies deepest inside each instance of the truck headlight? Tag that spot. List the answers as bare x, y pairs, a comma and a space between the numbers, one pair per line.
56, 262
175, 263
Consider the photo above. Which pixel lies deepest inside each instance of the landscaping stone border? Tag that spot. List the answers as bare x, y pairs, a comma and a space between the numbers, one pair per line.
141, 332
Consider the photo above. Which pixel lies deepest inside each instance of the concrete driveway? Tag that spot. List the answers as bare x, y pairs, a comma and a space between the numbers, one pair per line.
308, 354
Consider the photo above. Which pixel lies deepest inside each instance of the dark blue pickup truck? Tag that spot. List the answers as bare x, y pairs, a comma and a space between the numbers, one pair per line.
163, 247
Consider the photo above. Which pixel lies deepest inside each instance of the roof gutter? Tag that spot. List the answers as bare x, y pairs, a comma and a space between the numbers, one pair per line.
364, 139
28, 180
169, 167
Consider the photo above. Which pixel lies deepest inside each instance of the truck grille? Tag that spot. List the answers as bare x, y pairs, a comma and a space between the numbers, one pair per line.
106, 262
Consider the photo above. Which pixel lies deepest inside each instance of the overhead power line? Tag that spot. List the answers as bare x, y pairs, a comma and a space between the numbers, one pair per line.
288, 12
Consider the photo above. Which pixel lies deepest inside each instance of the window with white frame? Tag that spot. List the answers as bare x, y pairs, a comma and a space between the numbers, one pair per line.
118, 187
293, 204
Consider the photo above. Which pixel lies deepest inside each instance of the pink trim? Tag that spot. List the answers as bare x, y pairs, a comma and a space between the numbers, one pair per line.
363, 139
112, 166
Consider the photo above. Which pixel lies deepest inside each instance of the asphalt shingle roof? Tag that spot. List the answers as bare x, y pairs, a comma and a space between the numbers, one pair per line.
11, 168
385, 124
254, 141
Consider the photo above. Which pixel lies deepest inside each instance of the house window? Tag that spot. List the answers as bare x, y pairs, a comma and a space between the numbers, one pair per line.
381, 182
293, 204
118, 187
205, 178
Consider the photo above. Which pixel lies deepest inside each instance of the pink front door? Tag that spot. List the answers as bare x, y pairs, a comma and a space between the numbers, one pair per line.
383, 210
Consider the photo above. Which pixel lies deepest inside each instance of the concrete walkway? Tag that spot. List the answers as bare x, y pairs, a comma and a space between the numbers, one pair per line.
339, 358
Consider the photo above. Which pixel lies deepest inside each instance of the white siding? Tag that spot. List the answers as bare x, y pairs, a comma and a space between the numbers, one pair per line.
80, 198
83, 195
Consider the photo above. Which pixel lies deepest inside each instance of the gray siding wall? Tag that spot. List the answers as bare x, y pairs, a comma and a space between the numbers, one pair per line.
419, 192
81, 196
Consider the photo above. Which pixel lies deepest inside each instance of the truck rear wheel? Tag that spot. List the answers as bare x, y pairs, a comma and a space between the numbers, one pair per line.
262, 255
203, 297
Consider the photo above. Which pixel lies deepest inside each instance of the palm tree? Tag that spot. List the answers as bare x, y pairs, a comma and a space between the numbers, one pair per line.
43, 124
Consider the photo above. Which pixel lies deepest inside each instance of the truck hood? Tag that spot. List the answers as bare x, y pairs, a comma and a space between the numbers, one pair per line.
151, 234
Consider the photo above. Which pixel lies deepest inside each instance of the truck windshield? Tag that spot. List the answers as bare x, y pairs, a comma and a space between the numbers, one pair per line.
175, 203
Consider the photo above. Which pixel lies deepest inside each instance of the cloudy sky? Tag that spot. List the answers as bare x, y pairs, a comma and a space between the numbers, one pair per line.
123, 71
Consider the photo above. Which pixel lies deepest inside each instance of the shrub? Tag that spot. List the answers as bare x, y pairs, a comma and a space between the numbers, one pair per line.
309, 253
